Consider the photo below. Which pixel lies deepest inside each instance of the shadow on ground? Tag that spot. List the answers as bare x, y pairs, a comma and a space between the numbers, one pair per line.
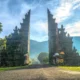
39, 66
34, 66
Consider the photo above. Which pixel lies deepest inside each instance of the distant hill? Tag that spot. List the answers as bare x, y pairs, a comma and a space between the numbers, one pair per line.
37, 47
76, 43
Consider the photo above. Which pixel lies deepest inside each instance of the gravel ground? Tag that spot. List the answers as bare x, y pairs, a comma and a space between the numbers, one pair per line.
38, 73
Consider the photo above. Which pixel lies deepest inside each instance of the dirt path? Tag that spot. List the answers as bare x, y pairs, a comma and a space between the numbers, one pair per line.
38, 73
70, 72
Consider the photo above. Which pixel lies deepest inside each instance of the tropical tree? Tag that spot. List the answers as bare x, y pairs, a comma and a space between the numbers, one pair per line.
43, 57
34, 61
15, 57
3, 52
0, 27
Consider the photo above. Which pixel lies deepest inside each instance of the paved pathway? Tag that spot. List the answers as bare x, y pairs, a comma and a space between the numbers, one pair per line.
38, 72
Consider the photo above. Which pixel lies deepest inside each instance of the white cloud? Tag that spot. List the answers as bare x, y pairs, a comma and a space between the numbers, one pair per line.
73, 29
8, 20
65, 10
39, 31
41, 26
38, 12
75, 1
25, 7
77, 6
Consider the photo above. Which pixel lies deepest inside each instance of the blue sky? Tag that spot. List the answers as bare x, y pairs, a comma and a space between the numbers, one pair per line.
66, 12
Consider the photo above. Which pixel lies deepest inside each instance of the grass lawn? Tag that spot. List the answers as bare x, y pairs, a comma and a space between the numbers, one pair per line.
12, 68
72, 68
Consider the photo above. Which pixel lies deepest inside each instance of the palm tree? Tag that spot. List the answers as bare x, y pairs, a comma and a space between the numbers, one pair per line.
0, 27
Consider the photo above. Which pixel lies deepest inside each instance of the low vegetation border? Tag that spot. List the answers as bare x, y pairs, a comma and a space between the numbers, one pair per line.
12, 68
72, 68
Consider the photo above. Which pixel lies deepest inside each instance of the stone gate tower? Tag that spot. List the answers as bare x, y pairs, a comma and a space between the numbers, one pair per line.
53, 36
25, 37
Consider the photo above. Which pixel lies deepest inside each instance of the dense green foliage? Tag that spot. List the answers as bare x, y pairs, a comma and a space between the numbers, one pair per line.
72, 58
43, 58
11, 54
34, 61
3, 52
16, 57
0, 27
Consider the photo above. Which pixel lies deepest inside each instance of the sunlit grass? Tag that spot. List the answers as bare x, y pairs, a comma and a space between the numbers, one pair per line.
12, 68
72, 68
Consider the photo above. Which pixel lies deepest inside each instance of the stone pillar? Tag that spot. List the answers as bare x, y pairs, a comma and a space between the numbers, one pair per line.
52, 36
25, 37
